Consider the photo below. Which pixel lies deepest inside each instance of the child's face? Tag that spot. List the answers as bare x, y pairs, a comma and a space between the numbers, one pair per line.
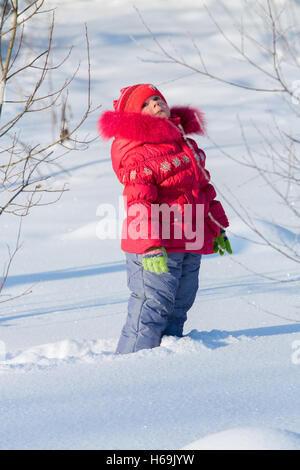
156, 106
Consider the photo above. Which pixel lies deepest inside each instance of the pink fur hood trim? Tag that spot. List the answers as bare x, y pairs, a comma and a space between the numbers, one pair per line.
150, 129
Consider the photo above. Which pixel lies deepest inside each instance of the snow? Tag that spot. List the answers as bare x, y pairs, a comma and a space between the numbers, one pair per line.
232, 382
248, 438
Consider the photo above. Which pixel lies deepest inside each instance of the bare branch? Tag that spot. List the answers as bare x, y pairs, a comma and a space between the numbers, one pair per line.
24, 170
204, 72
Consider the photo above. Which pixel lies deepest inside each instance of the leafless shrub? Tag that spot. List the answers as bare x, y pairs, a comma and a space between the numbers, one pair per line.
25, 165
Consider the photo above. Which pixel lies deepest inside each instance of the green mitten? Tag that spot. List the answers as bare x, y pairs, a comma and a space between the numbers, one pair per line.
222, 244
155, 260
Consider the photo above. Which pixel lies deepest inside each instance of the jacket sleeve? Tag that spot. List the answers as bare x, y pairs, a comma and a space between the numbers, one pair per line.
141, 228
216, 217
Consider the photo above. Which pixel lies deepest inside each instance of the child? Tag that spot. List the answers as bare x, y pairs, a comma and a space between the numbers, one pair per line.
161, 168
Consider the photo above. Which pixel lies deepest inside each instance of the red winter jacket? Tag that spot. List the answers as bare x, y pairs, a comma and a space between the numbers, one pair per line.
158, 164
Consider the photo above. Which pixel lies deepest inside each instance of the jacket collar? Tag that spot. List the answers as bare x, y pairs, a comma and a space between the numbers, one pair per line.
149, 129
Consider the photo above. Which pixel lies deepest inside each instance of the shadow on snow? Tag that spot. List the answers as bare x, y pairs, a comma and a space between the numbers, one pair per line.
217, 338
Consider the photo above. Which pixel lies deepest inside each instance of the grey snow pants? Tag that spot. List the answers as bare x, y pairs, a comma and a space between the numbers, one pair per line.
158, 303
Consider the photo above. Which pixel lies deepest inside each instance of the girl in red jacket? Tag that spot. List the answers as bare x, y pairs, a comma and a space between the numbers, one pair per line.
172, 215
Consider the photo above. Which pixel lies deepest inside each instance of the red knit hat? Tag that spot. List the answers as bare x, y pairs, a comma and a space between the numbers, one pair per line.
133, 97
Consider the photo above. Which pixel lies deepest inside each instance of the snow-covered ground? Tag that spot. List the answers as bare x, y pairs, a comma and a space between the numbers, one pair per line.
233, 381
